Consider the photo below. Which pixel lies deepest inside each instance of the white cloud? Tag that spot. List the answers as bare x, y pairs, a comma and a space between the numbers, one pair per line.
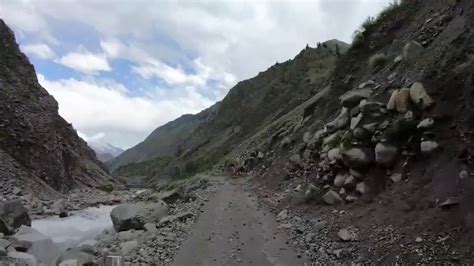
199, 49
40, 50
85, 62
95, 107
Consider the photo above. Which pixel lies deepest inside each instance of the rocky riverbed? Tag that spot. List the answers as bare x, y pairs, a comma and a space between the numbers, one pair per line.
148, 226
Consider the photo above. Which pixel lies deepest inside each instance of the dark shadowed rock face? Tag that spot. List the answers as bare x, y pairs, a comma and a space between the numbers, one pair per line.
42, 144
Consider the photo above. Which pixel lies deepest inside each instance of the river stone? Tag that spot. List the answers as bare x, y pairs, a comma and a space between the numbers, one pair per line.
396, 177
353, 98
419, 96
3, 252
385, 154
358, 157
26, 258
12, 215
128, 246
350, 182
37, 244
332, 198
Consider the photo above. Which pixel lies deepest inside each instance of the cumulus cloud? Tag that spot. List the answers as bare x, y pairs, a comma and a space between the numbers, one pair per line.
199, 50
40, 50
85, 62
96, 107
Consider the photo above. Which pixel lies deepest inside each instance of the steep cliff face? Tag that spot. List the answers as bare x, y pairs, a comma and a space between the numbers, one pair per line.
196, 142
33, 137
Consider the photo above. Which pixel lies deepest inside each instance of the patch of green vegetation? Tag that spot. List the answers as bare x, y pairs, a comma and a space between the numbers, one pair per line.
145, 168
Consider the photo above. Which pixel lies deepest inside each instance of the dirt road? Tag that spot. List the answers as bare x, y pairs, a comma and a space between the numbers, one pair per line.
235, 230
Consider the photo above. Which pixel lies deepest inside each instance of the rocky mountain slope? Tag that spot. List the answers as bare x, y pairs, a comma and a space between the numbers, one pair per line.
39, 150
380, 146
197, 142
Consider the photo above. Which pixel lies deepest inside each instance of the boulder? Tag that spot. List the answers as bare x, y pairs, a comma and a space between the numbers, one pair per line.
425, 124
402, 100
353, 98
370, 107
71, 262
177, 217
412, 51
80, 257
341, 121
420, 97
150, 227
361, 188
396, 177
339, 180
13, 215
312, 193
358, 157
391, 105
334, 154
355, 121
428, 146
3, 252
333, 139
4, 243
35, 243
169, 197
350, 182
129, 235
307, 137
135, 216
25, 258
332, 198
128, 246
348, 235
385, 154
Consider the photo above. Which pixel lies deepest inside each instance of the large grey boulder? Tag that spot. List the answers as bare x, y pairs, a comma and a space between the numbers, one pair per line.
386, 154
12, 215
358, 157
25, 258
128, 246
412, 51
353, 98
81, 258
341, 121
420, 97
36, 244
135, 216
332, 198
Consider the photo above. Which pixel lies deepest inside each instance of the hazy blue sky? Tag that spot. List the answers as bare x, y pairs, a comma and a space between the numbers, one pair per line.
119, 69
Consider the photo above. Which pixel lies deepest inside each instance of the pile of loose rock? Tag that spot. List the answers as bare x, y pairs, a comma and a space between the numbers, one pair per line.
152, 229
365, 134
